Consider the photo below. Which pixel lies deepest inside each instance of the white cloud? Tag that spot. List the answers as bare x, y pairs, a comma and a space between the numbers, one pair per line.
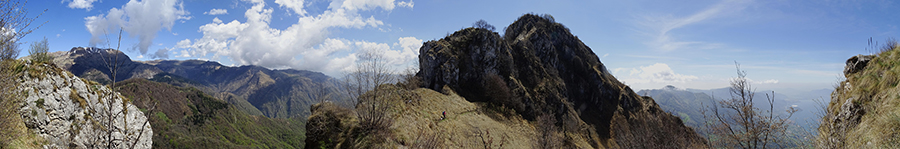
409, 48
303, 45
770, 81
216, 12
656, 73
141, 19
81, 4
406, 4
184, 53
295, 5
659, 27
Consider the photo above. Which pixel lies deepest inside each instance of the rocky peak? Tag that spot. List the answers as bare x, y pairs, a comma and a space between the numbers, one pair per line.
70, 112
545, 70
94, 64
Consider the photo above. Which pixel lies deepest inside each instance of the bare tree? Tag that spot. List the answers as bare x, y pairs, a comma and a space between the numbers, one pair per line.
320, 93
548, 137
14, 24
737, 123
111, 135
362, 86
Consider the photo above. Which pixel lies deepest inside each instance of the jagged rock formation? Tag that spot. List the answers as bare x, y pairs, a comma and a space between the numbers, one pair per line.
549, 71
863, 112
70, 112
253, 89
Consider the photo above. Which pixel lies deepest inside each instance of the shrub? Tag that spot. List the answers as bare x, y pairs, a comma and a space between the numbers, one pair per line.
408, 80
498, 93
428, 140
38, 52
324, 127
548, 137
483, 25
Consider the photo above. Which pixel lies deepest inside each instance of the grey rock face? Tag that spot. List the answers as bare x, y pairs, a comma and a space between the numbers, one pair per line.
548, 71
70, 113
856, 63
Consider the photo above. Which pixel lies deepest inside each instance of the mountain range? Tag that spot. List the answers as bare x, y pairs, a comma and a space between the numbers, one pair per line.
253, 89
687, 103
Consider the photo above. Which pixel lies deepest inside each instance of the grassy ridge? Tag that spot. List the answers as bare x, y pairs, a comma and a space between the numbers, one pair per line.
863, 110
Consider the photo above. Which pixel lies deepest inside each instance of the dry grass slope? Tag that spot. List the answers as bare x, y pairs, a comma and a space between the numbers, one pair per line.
418, 123
13, 132
863, 112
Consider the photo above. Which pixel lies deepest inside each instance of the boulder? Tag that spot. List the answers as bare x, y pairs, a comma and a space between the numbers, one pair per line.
856, 63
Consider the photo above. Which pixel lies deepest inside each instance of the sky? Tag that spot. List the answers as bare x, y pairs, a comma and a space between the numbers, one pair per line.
781, 44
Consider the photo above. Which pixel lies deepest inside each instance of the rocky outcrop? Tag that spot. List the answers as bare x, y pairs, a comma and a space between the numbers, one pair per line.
863, 110
70, 112
856, 63
549, 71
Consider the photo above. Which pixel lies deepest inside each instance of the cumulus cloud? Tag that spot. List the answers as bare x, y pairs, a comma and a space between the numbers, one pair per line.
216, 12
656, 73
303, 45
140, 19
81, 4
294, 5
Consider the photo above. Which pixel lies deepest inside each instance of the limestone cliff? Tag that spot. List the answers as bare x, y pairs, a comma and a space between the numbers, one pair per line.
69, 112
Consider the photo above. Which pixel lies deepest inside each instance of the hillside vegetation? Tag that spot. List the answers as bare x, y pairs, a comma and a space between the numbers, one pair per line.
416, 122
863, 110
188, 118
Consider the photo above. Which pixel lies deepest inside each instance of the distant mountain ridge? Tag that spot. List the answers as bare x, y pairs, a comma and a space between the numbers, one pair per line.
253, 89
672, 98
681, 102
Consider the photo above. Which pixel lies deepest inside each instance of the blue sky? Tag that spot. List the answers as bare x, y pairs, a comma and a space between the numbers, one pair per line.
646, 44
